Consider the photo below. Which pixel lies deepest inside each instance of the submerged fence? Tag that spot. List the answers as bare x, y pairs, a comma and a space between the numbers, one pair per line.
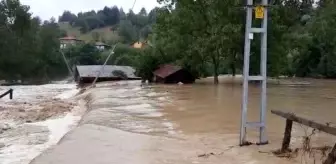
10, 92
290, 118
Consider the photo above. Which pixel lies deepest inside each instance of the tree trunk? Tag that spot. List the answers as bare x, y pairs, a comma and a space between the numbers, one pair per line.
233, 69
215, 61
216, 73
233, 65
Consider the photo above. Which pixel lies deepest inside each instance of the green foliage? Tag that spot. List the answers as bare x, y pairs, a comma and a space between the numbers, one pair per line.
320, 55
203, 35
147, 63
86, 54
131, 27
29, 48
200, 32
127, 31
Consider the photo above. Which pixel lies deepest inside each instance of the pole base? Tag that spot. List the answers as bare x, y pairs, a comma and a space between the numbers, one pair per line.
262, 143
246, 143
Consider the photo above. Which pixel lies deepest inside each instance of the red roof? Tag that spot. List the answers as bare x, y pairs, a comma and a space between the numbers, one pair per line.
166, 70
69, 38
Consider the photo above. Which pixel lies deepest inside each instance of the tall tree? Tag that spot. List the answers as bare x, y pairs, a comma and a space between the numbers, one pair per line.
210, 37
67, 16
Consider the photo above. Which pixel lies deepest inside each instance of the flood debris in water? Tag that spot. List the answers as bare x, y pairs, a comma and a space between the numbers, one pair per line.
32, 113
207, 155
306, 152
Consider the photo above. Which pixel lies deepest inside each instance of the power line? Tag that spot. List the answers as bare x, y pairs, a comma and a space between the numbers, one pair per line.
108, 57
133, 5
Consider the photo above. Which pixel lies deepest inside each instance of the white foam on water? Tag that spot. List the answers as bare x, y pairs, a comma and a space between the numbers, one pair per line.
59, 127
136, 89
21, 148
153, 114
67, 94
162, 98
36, 93
154, 94
23, 154
138, 108
170, 127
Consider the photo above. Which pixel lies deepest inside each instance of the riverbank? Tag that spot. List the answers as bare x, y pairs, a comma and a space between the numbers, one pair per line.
181, 124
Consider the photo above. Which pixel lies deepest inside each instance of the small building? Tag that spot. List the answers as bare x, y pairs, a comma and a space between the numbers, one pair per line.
69, 41
168, 73
139, 44
102, 46
87, 73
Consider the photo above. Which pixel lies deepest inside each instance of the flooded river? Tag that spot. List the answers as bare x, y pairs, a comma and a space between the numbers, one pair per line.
200, 123
207, 117
36, 118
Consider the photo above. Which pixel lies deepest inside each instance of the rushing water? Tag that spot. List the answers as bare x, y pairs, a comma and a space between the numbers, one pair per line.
22, 141
204, 117
210, 114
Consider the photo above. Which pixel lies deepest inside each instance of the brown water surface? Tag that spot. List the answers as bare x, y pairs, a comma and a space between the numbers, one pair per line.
207, 117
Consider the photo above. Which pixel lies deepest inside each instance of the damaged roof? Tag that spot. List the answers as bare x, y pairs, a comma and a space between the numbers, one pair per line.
166, 70
93, 71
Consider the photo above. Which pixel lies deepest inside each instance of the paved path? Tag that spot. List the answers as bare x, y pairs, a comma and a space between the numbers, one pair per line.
94, 144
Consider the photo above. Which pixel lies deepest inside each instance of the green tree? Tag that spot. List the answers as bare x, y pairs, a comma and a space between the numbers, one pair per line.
127, 32
86, 54
211, 38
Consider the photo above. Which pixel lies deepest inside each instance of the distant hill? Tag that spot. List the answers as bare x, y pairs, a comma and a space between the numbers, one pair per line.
105, 33
93, 24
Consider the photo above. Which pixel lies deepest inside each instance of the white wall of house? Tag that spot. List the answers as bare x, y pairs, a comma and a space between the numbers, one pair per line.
100, 47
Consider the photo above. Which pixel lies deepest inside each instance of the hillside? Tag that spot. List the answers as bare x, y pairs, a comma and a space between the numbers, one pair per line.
104, 33
97, 25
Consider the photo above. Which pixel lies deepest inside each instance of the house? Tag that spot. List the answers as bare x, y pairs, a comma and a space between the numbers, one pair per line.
139, 44
102, 46
168, 73
87, 73
69, 41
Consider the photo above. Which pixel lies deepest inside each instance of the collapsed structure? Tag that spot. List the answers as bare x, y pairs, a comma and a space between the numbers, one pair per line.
87, 73
168, 73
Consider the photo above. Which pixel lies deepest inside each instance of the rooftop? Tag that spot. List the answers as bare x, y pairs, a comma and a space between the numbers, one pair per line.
70, 38
108, 71
101, 44
166, 70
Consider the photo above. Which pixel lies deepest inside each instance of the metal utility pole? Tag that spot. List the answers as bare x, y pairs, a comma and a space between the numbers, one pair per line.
108, 57
260, 13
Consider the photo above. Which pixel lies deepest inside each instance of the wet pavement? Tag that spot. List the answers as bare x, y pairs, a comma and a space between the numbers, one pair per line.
128, 122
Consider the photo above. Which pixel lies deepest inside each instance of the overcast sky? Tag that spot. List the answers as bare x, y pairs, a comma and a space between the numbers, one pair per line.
46, 9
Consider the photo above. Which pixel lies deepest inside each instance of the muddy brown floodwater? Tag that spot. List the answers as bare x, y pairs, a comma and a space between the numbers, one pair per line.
211, 114
205, 119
